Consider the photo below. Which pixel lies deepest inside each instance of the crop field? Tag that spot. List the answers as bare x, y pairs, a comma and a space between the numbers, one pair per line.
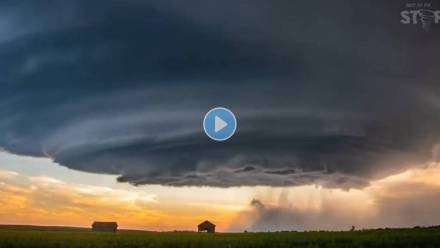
29, 237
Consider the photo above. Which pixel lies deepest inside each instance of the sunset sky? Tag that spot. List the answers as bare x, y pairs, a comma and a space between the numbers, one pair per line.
101, 109
37, 191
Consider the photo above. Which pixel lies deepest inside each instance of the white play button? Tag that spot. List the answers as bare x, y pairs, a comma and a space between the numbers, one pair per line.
219, 124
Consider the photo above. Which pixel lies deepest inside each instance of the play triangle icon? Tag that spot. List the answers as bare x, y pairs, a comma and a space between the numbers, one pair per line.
219, 124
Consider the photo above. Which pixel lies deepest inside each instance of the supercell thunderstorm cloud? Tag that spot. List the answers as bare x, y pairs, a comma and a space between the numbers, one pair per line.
122, 89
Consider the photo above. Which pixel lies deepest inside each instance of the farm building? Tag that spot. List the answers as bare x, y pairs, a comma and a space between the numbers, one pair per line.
206, 226
104, 226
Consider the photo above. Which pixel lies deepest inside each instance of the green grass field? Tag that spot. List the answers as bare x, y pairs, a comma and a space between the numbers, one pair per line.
29, 237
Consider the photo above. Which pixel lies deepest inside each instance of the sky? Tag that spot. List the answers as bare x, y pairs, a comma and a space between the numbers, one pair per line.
102, 105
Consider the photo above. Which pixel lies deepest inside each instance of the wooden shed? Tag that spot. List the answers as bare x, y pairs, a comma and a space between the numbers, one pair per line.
206, 226
104, 226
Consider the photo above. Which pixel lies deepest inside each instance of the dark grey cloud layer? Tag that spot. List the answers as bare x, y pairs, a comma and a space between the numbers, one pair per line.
334, 93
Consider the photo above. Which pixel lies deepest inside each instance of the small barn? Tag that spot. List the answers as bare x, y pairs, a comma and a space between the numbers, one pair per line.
101, 226
206, 226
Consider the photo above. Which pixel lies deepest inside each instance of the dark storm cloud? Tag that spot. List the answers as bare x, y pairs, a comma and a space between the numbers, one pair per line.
335, 94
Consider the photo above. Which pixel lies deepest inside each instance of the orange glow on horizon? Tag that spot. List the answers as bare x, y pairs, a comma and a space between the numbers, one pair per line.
45, 200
